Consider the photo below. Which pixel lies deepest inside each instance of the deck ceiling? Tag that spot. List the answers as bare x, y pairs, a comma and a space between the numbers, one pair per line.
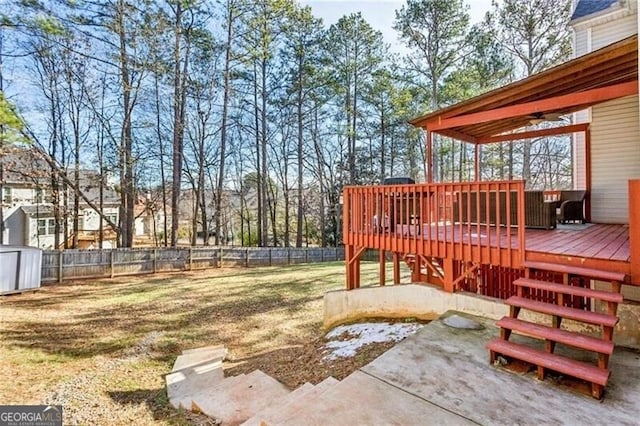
602, 75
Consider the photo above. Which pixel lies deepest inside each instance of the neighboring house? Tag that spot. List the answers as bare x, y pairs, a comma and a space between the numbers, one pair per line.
29, 213
615, 134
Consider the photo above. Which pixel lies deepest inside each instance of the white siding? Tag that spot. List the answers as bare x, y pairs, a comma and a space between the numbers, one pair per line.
579, 156
611, 32
615, 158
581, 43
92, 218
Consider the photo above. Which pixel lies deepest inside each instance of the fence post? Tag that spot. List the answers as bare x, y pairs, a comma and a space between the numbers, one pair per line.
111, 263
190, 258
270, 256
322, 255
246, 258
155, 260
306, 255
288, 256
60, 265
221, 254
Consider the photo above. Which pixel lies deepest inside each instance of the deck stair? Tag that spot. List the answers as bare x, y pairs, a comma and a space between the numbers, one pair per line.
555, 304
424, 269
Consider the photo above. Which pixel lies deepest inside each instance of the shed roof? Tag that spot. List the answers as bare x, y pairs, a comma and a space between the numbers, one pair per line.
605, 74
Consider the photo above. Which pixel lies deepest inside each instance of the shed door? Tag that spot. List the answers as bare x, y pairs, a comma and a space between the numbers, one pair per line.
9, 270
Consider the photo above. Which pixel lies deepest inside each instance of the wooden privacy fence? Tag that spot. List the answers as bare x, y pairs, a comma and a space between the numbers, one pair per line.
58, 266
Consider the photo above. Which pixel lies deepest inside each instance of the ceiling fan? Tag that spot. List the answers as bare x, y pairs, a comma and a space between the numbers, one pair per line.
538, 117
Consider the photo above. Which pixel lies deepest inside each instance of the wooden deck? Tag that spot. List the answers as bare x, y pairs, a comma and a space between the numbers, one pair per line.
598, 241
589, 245
432, 221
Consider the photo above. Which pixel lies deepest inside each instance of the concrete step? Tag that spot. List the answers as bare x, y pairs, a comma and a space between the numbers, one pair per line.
295, 405
185, 381
193, 359
606, 296
199, 385
361, 399
268, 415
220, 349
235, 403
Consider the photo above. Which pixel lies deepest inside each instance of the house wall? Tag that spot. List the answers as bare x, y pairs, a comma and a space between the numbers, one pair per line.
46, 242
15, 228
615, 30
20, 195
615, 125
615, 158
91, 218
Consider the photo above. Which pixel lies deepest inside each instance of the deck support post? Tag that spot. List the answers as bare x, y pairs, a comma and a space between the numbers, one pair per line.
447, 264
634, 229
352, 259
381, 254
348, 256
476, 154
396, 268
429, 157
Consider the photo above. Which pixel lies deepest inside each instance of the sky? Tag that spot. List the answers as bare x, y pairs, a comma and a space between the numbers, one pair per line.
380, 13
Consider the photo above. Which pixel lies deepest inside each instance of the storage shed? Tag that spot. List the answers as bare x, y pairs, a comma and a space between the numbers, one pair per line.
20, 268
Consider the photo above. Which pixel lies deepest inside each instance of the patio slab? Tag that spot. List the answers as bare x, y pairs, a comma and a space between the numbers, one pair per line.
361, 399
449, 368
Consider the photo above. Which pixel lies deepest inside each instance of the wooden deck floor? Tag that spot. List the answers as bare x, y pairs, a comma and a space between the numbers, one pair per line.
594, 241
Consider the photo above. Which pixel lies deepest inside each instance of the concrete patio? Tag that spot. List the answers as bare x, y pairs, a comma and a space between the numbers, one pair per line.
441, 375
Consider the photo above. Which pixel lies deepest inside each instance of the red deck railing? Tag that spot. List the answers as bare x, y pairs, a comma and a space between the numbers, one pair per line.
473, 221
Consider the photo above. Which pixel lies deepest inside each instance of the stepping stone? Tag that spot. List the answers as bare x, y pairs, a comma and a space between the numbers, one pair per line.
456, 321
296, 405
268, 415
234, 403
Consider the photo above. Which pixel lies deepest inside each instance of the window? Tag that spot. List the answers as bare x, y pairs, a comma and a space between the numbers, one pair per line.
39, 196
42, 227
113, 217
6, 196
46, 226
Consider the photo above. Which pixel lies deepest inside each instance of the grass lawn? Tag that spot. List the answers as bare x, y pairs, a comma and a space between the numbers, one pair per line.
101, 347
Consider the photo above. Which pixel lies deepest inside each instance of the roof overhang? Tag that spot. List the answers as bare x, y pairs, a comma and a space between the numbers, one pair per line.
606, 74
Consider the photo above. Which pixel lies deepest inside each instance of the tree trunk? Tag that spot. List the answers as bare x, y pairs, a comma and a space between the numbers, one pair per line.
263, 148
178, 127
300, 163
259, 177
223, 126
127, 186
163, 178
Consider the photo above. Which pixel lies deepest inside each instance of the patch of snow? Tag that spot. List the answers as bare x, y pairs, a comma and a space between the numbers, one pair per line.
363, 334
